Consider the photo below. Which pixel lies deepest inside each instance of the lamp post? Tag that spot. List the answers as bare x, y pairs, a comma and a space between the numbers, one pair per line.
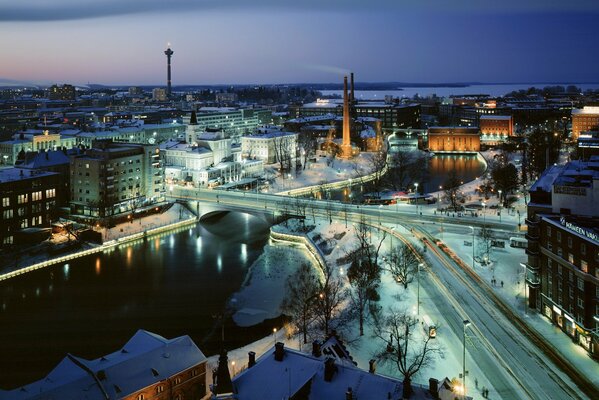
418, 291
466, 325
380, 207
416, 198
274, 332
472, 246
484, 211
500, 203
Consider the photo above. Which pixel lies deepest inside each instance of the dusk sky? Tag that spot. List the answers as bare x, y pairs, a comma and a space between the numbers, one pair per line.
283, 41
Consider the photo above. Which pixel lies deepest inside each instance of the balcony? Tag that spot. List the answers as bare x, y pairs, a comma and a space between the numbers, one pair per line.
530, 222
532, 236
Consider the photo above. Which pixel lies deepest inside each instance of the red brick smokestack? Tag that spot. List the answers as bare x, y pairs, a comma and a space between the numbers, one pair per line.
351, 85
346, 145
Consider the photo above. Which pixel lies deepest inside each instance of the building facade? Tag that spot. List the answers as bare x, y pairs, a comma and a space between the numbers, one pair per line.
583, 120
495, 129
64, 92
114, 178
29, 199
562, 270
234, 122
453, 139
268, 145
392, 116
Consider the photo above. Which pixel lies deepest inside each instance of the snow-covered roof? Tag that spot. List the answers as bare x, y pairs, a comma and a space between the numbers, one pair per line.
43, 159
269, 135
274, 379
586, 110
17, 174
145, 359
313, 118
546, 179
496, 117
574, 173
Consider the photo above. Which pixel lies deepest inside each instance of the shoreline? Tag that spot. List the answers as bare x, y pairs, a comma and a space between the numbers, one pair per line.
97, 249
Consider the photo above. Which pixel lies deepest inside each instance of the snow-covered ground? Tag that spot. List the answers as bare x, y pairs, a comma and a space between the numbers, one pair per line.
335, 240
510, 286
319, 172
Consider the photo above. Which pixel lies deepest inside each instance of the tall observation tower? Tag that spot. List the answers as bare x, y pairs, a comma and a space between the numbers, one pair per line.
168, 53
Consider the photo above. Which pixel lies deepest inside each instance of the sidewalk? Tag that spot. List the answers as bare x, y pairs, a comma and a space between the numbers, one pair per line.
509, 286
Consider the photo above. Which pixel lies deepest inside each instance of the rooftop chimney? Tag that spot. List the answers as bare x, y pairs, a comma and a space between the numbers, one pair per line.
433, 387
349, 395
223, 377
372, 366
279, 351
329, 369
251, 359
316, 349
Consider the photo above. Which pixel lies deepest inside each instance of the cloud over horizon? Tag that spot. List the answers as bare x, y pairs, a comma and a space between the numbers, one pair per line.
63, 10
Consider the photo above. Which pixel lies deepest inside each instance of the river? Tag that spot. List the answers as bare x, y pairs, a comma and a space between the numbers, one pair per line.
174, 284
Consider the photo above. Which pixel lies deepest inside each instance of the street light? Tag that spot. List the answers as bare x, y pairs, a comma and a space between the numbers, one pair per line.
466, 325
418, 291
380, 207
274, 332
500, 203
484, 211
416, 198
472, 246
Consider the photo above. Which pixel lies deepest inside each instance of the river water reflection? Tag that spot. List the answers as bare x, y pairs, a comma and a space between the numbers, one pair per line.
467, 167
172, 285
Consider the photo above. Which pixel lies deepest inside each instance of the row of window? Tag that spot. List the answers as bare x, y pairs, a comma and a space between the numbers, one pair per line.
35, 196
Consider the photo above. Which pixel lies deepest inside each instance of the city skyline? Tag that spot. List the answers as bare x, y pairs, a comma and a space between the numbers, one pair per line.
231, 42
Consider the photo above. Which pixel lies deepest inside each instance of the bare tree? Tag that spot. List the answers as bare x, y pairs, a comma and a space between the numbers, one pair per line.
302, 290
402, 263
364, 273
485, 244
283, 152
405, 167
453, 195
377, 160
330, 301
405, 349
300, 210
307, 148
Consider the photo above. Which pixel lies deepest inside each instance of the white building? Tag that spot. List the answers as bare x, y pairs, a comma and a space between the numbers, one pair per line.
213, 159
266, 144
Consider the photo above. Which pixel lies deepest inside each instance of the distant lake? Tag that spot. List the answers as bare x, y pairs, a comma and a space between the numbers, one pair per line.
492, 90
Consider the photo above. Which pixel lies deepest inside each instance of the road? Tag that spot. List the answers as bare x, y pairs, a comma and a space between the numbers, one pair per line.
512, 359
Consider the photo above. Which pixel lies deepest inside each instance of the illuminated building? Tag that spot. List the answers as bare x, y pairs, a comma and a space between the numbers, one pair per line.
495, 129
28, 199
453, 139
64, 92
562, 271
585, 119
113, 178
